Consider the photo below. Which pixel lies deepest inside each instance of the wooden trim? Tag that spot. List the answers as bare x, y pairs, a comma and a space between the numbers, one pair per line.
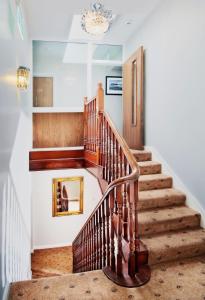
55, 164
55, 154
91, 157
52, 160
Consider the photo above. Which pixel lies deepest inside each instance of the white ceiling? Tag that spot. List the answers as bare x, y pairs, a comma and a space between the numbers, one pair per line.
51, 20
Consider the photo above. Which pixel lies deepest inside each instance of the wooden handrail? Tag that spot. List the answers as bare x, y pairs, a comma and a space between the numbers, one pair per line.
116, 213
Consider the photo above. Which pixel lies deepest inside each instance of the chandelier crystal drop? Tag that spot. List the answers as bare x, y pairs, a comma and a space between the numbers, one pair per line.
97, 20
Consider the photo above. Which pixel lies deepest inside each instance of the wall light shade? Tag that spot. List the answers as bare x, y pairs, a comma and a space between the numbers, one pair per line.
23, 78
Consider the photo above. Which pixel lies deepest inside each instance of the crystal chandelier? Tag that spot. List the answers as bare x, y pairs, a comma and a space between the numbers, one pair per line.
97, 20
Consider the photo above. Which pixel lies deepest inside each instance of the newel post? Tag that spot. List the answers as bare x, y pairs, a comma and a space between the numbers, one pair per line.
99, 111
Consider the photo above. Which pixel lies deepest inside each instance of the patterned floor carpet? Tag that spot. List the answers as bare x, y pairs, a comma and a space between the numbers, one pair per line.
179, 280
51, 262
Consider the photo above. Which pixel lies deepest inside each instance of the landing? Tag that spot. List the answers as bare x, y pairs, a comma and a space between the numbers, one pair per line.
52, 262
182, 280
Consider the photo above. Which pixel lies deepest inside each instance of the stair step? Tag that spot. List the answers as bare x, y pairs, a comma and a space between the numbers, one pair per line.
167, 219
175, 245
160, 198
149, 167
142, 155
154, 181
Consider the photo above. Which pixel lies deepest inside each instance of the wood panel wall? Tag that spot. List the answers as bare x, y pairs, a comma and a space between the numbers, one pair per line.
57, 130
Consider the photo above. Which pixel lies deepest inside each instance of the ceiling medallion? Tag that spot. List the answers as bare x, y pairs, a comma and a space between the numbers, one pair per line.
96, 20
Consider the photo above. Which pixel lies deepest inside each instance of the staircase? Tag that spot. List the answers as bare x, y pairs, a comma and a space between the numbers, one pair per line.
168, 228
141, 219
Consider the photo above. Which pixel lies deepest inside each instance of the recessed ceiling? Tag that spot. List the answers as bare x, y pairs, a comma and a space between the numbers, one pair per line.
51, 20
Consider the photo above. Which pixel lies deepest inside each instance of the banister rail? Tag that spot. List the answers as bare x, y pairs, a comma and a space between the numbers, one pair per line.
109, 239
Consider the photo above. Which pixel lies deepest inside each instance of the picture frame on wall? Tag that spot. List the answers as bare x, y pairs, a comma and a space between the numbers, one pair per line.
113, 85
67, 196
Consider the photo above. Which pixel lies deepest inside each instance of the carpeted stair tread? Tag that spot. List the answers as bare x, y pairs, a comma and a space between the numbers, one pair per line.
167, 219
160, 198
142, 155
175, 245
154, 181
149, 167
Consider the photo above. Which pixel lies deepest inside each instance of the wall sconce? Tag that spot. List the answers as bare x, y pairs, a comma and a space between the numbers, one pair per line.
23, 78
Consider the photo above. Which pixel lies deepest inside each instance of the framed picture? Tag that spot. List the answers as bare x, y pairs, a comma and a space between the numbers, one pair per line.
113, 85
67, 196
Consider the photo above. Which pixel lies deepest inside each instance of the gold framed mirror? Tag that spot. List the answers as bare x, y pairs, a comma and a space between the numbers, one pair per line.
67, 196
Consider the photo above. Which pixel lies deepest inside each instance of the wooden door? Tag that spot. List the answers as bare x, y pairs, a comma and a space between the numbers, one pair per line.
133, 119
42, 91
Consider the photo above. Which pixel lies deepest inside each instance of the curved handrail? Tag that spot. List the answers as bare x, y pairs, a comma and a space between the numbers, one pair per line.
131, 177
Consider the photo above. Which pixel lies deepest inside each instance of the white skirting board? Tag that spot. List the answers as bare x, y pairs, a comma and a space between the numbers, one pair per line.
191, 200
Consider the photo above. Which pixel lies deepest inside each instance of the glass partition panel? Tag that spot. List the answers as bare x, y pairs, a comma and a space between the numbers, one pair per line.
59, 74
107, 52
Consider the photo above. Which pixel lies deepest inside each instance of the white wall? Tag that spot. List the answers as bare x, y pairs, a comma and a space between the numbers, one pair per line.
51, 231
174, 41
15, 141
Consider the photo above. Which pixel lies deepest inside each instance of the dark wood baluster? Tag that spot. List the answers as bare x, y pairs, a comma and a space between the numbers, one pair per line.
101, 139
87, 118
103, 147
131, 260
95, 137
91, 226
90, 244
87, 247
93, 239
86, 254
92, 125
108, 229
113, 155
119, 233
95, 128
125, 164
97, 240
89, 126
107, 152
117, 159
136, 237
81, 254
100, 237
125, 212
110, 155
104, 235
90, 249
120, 162
85, 123
112, 232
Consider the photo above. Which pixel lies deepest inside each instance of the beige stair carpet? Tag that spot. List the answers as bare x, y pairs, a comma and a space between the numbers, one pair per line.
51, 262
181, 280
169, 228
